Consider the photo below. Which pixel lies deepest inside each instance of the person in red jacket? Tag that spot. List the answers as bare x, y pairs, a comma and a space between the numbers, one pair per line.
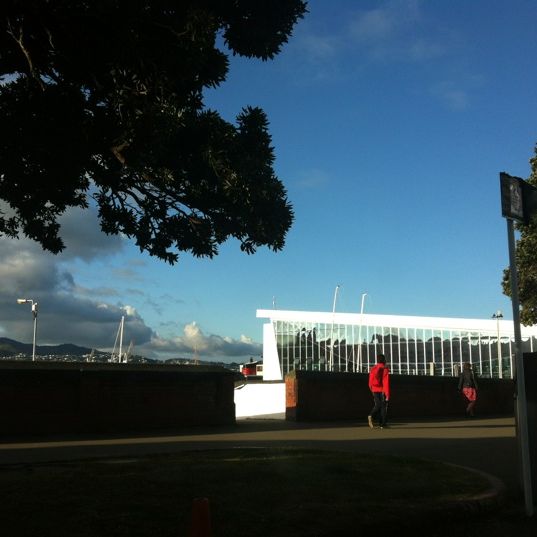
379, 384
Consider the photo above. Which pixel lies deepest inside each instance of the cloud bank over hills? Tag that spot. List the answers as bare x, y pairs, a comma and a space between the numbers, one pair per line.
90, 317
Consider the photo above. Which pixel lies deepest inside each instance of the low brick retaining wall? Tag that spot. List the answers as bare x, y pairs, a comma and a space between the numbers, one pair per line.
66, 397
316, 396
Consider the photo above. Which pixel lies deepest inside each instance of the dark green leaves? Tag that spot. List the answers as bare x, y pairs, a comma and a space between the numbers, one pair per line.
106, 98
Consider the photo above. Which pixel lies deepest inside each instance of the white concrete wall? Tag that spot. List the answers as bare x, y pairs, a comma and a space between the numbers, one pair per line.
258, 399
271, 363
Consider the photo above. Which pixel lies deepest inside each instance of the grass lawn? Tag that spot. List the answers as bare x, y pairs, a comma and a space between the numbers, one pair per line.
251, 492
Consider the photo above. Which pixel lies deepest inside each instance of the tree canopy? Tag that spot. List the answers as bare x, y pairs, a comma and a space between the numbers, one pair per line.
103, 100
526, 262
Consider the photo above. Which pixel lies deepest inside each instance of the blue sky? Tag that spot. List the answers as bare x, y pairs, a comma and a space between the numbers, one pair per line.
391, 121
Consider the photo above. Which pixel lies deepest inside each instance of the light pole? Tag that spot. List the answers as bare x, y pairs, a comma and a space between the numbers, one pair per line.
360, 334
499, 315
34, 312
332, 329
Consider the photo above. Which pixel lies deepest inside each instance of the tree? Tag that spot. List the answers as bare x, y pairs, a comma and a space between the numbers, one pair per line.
526, 262
103, 101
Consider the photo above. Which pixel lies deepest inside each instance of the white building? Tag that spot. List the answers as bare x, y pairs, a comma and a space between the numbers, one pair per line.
349, 342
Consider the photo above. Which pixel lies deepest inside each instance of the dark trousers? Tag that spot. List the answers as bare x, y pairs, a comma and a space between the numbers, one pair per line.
379, 410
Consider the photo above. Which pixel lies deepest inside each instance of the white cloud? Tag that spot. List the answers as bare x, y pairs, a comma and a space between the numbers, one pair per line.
454, 96
194, 341
71, 313
373, 26
64, 315
394, 31
317, 48
83, 237
423, 50
129, 310
385, 23
312, 179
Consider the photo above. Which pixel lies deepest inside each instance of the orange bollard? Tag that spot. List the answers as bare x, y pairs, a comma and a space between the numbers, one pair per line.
201, 518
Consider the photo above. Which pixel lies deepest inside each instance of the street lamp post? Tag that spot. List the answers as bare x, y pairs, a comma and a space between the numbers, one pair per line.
34, 312
332, 330
499, 315
360, 334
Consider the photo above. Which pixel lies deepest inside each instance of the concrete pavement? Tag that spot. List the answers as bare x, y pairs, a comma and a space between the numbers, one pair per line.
487, 445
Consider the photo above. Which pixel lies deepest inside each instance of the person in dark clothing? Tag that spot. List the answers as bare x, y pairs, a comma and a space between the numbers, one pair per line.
379, 384
468, 388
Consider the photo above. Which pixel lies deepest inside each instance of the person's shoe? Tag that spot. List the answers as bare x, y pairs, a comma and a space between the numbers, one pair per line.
370, 421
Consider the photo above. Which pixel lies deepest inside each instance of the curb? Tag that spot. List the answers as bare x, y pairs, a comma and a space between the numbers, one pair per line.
484, 502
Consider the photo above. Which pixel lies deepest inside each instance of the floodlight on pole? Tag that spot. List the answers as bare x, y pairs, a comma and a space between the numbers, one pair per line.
331, 365
34, 312
360, 333
499, 315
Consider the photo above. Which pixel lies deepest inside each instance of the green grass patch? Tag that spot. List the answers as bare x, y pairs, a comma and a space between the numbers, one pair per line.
252, 492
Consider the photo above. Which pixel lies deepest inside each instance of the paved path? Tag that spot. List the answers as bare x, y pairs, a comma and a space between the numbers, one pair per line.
487, 444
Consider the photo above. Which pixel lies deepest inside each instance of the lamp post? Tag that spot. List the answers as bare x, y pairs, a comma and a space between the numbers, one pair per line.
499, 315
360, 334
34, 312
332, 329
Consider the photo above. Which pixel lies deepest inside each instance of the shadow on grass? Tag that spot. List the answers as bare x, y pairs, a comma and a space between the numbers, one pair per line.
252, 491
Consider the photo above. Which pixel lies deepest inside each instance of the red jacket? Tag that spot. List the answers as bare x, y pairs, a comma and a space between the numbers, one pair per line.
379, 380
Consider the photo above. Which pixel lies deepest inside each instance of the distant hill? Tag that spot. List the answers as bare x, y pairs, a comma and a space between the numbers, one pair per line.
10, 347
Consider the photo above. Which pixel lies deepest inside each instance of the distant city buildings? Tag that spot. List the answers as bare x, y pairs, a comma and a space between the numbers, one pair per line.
104, 358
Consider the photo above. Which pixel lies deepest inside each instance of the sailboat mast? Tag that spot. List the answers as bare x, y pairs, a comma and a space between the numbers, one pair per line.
121, 338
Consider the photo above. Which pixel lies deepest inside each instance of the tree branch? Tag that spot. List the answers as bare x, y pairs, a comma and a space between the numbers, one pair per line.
19, 40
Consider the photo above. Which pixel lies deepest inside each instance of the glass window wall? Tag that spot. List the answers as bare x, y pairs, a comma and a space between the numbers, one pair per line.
409, 351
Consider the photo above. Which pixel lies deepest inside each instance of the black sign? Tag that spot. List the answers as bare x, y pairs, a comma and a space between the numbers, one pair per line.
519, 198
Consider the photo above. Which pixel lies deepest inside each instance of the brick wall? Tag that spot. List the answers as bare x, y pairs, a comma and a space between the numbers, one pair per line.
45, 397
316, 396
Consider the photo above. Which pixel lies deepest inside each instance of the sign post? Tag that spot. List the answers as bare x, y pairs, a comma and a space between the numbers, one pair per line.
519, 201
